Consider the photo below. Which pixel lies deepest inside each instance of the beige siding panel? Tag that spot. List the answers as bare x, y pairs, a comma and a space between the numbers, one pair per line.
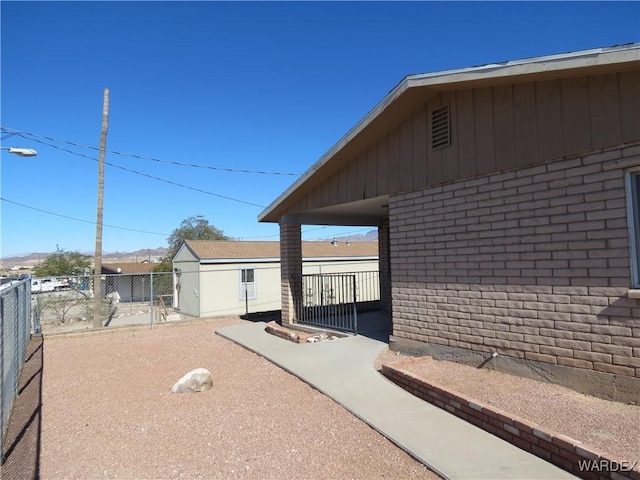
549, 113
300, 204
325, 193
484, 130
383, 165
343, 184
605, 110
353, 180
333, 189
361, 177
406, 155
434, 157
371, 183
524, 119
629, 84
394, 160
316, 198
503, 124
450, 168
464, 129
576, 125
420, 147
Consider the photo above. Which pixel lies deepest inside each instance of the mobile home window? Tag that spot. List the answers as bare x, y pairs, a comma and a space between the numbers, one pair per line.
247, 284
634, 225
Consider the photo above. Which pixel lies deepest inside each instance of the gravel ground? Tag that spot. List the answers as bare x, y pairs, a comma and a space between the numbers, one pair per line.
108, 412
609, 427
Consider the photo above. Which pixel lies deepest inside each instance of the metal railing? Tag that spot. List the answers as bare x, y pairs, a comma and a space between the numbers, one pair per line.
15, 332
333, 300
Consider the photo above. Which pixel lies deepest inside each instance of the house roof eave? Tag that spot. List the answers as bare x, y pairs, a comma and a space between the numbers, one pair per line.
423, 86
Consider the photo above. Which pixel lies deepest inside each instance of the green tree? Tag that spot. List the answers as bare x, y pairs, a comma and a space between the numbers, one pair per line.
191, 228
63, 263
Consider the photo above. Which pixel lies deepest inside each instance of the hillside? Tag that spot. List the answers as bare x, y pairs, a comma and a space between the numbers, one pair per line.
33, 259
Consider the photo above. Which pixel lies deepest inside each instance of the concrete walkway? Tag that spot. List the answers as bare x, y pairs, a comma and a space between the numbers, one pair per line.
344, 371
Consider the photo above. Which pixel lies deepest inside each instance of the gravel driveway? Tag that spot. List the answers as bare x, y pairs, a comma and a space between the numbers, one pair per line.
108, 413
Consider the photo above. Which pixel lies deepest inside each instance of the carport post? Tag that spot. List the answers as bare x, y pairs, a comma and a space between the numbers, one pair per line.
290, 269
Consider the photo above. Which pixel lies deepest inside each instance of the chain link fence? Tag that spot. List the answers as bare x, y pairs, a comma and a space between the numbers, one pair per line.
15, 332
63, 305
66, 304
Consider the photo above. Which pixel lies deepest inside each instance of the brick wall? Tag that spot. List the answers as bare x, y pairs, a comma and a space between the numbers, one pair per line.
532, 263
290, 269
384, 265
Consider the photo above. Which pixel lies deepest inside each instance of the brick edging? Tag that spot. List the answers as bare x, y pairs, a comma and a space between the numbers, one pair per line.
562, 451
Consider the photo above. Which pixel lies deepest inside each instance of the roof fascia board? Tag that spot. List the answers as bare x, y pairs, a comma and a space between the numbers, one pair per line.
222, 261
566, 61
340, 259
211, 261
550, 63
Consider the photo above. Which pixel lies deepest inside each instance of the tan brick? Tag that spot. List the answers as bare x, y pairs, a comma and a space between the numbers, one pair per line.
612, 349
559, 352
573, 344
611, 330
572, 362
592, 337
593, 356
628, 361
538, 357
617, 369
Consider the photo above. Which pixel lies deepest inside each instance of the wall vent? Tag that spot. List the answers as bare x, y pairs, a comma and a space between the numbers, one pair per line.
440, 128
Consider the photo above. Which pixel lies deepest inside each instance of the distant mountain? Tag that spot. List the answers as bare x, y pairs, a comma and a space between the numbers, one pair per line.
370, 236
33, 259
150, 254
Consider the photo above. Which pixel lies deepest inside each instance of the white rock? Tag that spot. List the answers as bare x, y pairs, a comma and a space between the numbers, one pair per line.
198, 380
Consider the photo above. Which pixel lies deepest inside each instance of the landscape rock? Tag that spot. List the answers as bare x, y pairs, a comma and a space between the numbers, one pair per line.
198, 380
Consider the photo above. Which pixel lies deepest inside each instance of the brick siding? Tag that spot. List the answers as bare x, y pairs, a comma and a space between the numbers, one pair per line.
290, 269
532, 263
384, 265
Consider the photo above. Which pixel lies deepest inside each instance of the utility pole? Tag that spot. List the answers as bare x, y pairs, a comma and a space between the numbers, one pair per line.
97, 281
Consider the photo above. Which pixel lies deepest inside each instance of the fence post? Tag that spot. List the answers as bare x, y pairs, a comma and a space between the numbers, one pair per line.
151, 297
3, 333
355, 308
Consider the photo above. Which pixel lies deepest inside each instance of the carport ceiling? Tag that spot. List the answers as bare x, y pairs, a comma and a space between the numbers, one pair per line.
367, 212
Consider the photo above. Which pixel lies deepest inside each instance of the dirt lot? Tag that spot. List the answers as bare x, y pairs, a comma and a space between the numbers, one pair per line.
107, 412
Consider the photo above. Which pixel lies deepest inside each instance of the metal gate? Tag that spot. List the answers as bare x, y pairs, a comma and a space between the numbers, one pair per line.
329, 300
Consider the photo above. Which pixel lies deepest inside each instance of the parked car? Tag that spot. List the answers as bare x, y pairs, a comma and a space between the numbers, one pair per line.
40, 285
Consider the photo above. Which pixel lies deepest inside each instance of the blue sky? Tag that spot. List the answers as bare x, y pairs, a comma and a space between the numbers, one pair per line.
264, 86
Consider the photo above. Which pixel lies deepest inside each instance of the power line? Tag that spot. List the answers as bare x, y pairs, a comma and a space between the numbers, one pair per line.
34, 137
79, 219
343, 233
148, 175
29, 207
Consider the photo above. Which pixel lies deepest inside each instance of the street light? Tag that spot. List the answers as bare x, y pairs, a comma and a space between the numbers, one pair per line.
22, 152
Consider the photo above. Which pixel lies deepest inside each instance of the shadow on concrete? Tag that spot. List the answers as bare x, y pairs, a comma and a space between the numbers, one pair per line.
375, 325
21, 452
273, 315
